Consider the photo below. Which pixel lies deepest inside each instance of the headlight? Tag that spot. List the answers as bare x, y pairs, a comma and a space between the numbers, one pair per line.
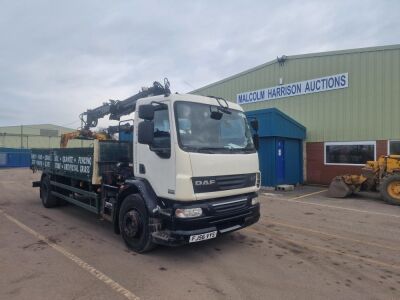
188, 212
255, 201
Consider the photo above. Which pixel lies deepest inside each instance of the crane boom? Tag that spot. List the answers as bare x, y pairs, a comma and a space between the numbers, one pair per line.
118, 108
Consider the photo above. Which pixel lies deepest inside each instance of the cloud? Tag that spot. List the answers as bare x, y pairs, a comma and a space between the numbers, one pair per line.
59, 58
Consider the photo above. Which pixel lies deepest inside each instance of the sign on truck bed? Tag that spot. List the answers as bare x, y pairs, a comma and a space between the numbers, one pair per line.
85, 164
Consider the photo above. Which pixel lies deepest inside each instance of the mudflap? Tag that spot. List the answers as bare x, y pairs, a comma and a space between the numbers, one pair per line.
339, 189
36, 183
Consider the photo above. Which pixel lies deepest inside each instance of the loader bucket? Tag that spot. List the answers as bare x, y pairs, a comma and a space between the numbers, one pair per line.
339, 189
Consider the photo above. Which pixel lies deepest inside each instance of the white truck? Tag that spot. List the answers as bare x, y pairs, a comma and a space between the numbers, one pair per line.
190, 174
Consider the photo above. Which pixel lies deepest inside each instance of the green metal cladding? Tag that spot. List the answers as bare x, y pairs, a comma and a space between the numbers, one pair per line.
368, 109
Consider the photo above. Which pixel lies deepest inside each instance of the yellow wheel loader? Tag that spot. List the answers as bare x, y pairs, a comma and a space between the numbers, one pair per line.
382, 176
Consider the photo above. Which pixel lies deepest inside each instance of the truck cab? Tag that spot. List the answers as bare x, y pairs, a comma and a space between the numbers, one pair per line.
198, 156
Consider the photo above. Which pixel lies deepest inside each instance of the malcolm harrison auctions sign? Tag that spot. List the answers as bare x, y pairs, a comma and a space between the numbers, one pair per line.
328, 83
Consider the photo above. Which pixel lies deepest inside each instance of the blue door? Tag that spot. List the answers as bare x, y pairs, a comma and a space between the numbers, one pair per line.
267, 161
280, 161
293, 161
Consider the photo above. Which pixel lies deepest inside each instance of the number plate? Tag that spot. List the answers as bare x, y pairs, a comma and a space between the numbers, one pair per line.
203, 237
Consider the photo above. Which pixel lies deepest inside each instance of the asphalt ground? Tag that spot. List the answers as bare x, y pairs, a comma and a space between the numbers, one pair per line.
305, 246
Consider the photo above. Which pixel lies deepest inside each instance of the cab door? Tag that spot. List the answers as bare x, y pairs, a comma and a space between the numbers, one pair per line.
156, 162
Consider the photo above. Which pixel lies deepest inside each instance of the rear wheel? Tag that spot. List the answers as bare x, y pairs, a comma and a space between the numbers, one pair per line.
48, 200
134, 224
390, 189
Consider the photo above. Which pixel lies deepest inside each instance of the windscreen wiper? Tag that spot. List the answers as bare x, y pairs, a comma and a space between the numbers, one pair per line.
222, 108
207, 149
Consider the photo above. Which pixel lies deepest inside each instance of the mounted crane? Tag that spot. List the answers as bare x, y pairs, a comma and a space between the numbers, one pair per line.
115, 109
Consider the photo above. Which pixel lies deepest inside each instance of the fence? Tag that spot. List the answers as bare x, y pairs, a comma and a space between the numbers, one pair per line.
14, 158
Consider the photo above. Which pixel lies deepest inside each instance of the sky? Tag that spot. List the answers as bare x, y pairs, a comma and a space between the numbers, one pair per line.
59, 58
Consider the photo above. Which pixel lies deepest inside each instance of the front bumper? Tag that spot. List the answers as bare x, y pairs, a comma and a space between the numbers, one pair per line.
222, 215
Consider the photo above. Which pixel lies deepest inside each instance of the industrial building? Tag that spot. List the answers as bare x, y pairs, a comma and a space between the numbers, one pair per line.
16, 142
345, 103
33, 136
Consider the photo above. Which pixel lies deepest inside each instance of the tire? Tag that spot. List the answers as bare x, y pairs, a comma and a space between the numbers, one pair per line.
134, 224
390, 189
48, 200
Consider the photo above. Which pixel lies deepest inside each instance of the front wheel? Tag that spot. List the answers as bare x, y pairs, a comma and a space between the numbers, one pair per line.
390, 189
134, 224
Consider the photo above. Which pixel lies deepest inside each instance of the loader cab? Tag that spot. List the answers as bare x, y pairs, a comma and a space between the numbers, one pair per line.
181, 139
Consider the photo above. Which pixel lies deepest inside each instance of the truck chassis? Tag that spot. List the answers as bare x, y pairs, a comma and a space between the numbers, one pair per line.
100, 179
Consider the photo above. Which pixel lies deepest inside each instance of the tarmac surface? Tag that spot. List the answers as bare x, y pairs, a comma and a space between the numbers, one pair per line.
305, 246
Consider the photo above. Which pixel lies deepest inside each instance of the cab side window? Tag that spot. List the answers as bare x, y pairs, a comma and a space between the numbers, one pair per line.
162, 133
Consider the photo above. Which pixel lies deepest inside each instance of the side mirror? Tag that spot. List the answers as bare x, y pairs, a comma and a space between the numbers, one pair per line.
254, 124
146, 112
146, 132
256, 141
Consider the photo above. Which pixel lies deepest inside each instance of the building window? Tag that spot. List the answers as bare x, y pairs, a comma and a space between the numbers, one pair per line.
349, 153
394, 147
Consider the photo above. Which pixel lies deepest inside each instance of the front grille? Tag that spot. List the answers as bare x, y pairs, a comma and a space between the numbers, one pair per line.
223, 183
232, 182
229, 206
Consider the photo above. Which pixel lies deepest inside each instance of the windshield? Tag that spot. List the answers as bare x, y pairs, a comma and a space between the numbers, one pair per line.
208, 128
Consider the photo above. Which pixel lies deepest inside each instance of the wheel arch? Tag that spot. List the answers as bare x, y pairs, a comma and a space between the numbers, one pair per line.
135, 186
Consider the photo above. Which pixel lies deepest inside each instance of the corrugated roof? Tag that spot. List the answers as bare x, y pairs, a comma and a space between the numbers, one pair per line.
273, 122
38, 126
300, 56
